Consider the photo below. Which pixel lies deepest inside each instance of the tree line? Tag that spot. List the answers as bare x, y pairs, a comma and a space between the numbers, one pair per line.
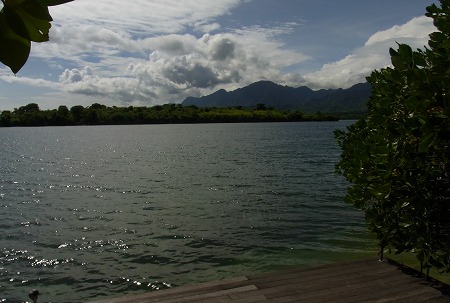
98, 114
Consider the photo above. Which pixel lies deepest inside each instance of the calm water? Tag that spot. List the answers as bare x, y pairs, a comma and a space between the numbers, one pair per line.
89, 212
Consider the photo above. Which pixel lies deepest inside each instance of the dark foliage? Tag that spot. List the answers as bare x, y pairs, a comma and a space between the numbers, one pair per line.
397, 158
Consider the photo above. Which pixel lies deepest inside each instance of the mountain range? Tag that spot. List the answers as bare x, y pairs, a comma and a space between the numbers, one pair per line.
350, 100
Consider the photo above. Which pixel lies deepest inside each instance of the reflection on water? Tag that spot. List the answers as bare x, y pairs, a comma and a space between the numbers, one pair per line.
88, 212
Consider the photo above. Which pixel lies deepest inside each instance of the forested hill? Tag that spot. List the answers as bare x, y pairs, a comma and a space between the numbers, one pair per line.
350, 100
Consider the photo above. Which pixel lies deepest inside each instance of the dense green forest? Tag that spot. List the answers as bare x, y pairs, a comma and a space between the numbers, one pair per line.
98, 114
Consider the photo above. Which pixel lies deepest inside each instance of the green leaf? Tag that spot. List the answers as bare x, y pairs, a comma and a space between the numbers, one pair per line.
393, 52
12, 2
53, 2
419, 59
16, 23
29, 19
426, 142
405, 51
14, 50
432, 9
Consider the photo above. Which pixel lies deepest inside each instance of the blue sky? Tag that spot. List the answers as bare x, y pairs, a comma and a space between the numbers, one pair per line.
148, 52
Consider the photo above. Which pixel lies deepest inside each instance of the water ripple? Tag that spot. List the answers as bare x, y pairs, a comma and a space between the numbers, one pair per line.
93, 212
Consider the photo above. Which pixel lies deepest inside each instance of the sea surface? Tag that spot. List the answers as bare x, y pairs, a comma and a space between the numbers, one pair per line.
91, 212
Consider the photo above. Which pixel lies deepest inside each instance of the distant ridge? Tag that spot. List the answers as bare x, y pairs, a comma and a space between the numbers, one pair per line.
352, 99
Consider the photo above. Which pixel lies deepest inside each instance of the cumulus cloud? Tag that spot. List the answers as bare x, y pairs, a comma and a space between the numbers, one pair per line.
355, 67
85, 82
223, 49
179, 65
76, 75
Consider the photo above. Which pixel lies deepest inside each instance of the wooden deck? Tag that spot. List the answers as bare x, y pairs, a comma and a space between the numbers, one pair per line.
358, 281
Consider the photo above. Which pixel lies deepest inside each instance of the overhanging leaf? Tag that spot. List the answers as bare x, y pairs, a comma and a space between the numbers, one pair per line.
12, 2
53, 2
14, 50
29, 19
16, 23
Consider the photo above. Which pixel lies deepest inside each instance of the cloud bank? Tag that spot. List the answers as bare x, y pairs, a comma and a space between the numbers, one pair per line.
155, 52
167, 68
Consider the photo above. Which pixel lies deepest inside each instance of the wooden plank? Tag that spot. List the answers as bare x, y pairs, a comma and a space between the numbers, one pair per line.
319, 270
370, 294
320, 273
359, 281
179, 291
214, 296
389, 288
325, 278
333, 284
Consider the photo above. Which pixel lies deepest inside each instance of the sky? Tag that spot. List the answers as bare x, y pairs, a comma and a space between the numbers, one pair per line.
149, 52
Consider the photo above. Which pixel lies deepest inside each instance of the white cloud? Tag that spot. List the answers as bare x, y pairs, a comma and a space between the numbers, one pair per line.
30, 81
416, 31
355, 67
142, 16
264, 42
86, 31
179, 65
75, 75
207, 27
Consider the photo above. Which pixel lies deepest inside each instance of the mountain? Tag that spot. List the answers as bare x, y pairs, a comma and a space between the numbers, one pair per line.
352, 99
